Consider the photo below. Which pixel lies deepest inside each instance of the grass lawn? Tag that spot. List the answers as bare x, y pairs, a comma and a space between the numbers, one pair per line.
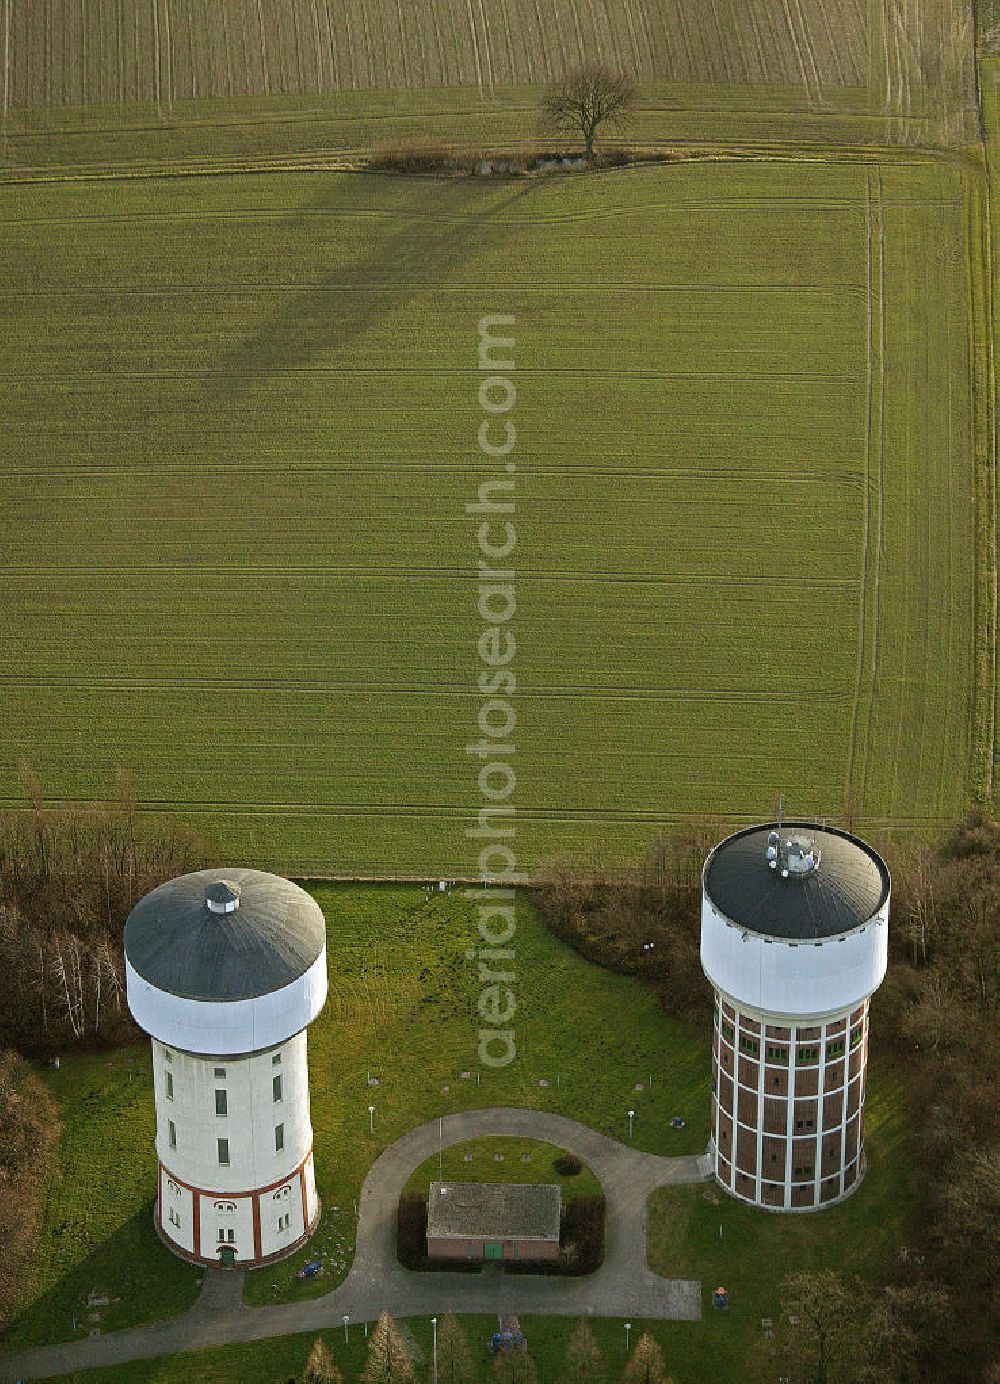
736, 381
96, 1231
504, 1160
402, 1008
699, 1232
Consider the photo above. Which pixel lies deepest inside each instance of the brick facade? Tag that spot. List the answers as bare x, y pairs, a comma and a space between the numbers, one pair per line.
788, 1107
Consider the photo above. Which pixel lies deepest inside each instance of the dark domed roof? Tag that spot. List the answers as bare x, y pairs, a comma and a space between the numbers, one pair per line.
227, 934
823, 882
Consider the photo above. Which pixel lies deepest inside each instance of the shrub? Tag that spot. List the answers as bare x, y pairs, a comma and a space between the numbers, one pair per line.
30, 1128
568, 1165
416, 156
582, 1233
411, 1230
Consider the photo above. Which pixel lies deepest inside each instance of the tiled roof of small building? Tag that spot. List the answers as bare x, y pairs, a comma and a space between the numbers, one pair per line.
494, 1211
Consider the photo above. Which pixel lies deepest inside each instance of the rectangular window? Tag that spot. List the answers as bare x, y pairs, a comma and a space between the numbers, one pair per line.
284, 1221
168, 1054
221, 1103
727, 1030
222, 1235
276, 1060
276, 1088
856, 1036
835, 1047
170, 1085
224, 1152
230, 1235
777, 1054
804, 1171
805, 1057
220, 1072
749, 1045
279, 1138
173, 1217
171, 1134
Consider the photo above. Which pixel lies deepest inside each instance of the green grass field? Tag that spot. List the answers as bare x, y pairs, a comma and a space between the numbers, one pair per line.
756, 1250
990, 236
241, 421
503, 1160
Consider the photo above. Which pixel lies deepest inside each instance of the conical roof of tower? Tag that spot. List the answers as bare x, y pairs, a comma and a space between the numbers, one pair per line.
224, 934
819, 882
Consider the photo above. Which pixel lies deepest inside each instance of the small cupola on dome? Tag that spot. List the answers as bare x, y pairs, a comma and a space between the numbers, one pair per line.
222, 896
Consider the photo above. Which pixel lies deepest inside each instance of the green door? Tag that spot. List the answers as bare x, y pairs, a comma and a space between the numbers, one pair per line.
492, 1251
227, 1256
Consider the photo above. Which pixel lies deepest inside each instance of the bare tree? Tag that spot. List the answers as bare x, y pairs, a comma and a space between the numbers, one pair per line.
821, 1330
454, 1356
587, 98
584, 1364
646, 1364
320, 1368
388, 1361
514, 1367
68, 878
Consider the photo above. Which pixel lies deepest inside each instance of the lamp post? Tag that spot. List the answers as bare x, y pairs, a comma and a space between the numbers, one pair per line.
434, 1327
631, 1117
346, 1320
628, 1328
371, 1119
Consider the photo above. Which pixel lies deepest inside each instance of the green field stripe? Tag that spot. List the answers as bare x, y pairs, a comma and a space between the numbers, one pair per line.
691, 498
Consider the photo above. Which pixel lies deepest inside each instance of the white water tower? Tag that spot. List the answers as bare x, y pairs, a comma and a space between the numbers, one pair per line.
225, 969
794, 940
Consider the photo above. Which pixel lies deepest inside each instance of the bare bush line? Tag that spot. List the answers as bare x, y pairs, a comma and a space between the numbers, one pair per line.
69, 876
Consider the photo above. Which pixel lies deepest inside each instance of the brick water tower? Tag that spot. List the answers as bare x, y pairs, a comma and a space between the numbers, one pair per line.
794, 939
225, 969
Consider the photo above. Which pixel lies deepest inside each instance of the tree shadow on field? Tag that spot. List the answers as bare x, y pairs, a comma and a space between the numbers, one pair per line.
445, 223
129, 1279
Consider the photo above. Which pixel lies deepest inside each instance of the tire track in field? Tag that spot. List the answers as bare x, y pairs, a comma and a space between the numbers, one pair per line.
637, 210
866, 527
542, 286
394, 575
720, 473
566, 371
593, 691
879, 261
6, 68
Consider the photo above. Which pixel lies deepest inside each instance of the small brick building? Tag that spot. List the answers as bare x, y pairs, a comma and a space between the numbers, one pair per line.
483, 1221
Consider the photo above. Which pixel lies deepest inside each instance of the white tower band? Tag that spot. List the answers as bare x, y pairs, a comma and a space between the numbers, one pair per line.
794, 939
225, 969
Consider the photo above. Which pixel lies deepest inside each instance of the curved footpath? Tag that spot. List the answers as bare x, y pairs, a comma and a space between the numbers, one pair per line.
623, 1286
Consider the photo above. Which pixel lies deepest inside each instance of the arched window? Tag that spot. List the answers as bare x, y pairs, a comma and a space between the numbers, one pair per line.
173, 1188
281, 1194
227, 1207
